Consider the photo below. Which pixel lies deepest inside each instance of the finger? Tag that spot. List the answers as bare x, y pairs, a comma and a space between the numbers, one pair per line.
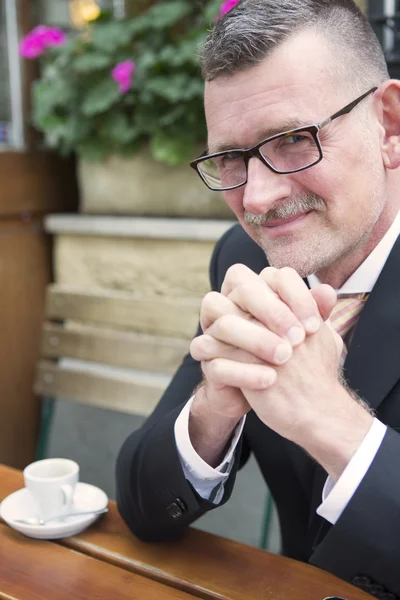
326, 298
266, 307
237, 275
251, 337
239, 375
224, 400
205, 347
214, 306
338, 339
293, 291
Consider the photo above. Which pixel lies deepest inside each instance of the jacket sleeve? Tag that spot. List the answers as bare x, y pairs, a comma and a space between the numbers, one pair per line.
153, 496
363, 547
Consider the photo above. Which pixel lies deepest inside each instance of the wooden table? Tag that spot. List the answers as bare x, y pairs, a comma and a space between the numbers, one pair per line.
106, 561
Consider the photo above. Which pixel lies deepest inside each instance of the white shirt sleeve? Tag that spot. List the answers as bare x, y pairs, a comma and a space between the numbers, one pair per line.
336, 496
207, 481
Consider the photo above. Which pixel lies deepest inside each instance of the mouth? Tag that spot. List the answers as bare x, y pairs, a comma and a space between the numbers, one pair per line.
286, 225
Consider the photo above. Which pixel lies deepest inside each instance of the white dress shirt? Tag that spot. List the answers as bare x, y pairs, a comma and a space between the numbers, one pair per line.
209, 481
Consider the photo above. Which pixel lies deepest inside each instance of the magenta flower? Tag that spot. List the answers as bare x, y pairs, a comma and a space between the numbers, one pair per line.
55, 37
225, 8
122, 73
40, 38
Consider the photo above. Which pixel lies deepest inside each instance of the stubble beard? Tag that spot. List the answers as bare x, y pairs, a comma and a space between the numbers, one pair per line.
322, 247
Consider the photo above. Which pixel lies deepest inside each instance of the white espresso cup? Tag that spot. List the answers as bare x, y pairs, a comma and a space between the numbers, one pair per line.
52, 484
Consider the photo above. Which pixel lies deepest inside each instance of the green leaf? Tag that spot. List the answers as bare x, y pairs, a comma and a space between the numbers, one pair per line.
48, 95
176, 88
101, 97
171, 151
212, 10
109, 37
118, 128
93, 150
92, 61
167, 14
184, 52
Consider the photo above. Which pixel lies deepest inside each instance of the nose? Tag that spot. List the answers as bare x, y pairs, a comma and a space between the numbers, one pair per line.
264, 188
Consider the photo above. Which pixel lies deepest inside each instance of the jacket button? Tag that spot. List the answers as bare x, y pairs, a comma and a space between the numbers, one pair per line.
176, 509
361, 581
376, 589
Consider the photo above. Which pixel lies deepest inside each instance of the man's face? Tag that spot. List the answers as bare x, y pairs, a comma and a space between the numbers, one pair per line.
310, 219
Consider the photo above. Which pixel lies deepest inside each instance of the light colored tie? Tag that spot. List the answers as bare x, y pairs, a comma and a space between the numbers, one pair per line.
345, 315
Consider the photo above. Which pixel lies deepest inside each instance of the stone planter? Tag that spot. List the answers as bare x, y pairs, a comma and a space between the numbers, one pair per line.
143, 187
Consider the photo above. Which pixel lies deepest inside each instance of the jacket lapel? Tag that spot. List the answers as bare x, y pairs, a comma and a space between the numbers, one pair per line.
372, 364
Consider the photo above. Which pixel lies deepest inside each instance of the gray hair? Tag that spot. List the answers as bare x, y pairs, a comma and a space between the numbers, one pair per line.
250, 31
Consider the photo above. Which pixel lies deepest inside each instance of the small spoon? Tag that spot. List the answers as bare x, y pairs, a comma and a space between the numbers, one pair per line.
36, 521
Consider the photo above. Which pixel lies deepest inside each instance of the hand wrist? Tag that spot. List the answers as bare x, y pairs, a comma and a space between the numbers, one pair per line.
209, 431
335, 437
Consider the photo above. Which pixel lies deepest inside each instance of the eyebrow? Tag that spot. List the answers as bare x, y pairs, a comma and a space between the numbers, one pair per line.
266, 133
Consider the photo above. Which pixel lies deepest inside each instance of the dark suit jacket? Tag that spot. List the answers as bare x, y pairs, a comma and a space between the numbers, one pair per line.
363, 547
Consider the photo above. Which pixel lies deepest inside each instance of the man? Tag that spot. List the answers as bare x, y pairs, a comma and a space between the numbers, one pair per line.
302, 87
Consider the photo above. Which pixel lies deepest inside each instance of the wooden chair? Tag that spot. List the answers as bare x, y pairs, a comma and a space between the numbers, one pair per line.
102, 349
99, 349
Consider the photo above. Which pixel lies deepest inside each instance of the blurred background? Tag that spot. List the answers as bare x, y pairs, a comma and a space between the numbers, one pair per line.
105, 232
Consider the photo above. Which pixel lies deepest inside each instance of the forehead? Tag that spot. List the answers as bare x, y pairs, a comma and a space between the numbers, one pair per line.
296, 85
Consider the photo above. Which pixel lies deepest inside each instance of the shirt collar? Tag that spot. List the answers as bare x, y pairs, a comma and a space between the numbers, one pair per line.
365, 277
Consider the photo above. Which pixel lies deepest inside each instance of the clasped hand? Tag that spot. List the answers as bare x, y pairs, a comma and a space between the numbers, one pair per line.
266, 346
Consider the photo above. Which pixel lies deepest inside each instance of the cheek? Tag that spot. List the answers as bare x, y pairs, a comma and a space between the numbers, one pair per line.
234, 199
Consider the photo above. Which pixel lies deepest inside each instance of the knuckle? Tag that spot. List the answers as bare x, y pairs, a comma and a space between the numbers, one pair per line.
245, 290
288, 272
236, 270
269, 272
199, 348
224, 325
282, 318
214, 369
209, 300
261, 346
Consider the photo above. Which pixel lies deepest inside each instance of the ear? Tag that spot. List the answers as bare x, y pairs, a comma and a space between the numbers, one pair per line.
387, 99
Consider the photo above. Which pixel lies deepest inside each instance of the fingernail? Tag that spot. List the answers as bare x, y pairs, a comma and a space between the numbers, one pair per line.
296, 335
312, 324
283, 353
268, 380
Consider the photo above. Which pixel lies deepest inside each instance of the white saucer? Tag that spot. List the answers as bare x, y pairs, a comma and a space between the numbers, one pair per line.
21, 505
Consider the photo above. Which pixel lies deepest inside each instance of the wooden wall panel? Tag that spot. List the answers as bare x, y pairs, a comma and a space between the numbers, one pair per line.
24, 272
36, 182
113, 347
153, 315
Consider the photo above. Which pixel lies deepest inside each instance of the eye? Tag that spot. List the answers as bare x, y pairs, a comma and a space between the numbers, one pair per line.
228, 160
294, 139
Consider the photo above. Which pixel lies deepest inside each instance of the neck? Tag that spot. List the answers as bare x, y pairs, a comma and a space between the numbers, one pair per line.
339, 272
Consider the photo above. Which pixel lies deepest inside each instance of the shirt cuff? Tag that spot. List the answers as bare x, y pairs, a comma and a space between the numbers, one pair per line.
336, 496
206, 480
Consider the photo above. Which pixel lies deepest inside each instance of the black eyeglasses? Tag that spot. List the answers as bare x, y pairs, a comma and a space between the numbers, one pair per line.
284, 153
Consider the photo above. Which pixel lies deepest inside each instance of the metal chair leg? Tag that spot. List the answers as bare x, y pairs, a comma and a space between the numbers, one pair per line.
46, 419
265, 531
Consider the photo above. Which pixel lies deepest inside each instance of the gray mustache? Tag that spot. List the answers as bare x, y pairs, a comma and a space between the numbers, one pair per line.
288, 208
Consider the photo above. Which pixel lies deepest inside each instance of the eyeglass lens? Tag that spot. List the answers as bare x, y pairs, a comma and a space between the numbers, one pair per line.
286, 153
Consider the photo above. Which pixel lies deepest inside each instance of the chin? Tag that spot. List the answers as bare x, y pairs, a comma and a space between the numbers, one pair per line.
304, 264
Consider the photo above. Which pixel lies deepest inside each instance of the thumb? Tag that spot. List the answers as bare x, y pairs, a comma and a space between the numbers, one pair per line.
325, 297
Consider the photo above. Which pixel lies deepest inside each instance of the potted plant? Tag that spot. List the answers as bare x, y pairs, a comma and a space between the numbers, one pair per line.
127, 97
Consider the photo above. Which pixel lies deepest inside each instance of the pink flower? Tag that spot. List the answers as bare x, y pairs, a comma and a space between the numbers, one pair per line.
122, 73
40, 38
55, 37
225, 8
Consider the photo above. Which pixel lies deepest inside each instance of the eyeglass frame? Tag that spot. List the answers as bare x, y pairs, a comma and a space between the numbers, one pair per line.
254, 151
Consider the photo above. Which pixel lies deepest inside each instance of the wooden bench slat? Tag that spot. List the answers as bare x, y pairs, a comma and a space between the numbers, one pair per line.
130, 392
159, 316
113, 347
